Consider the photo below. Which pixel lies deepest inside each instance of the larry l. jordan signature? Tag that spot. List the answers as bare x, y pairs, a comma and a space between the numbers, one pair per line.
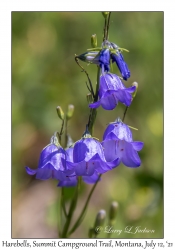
128, 229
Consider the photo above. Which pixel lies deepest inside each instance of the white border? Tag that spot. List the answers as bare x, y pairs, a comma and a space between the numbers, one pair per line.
5, 93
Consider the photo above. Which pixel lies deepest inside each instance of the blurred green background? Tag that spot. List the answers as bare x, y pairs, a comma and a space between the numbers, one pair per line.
45, 75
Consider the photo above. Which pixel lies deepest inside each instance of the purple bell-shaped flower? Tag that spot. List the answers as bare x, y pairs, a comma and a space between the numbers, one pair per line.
88, 157
118, 143
52, 163
73, 178
112, 91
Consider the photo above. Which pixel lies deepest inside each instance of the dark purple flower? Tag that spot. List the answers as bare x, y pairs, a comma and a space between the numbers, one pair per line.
52, 163
118, 58
111, 91
104, 60
123, 67
118, 143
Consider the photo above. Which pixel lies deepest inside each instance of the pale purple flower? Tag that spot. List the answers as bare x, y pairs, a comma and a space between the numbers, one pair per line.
118, 143
112, 91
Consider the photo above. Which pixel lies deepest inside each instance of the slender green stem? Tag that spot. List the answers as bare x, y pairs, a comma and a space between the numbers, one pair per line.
60, 217
71, 210
78, 222
90, 87
66, 122
107, 28
125, 113
61, 131
93, 112
63, 202
98, 84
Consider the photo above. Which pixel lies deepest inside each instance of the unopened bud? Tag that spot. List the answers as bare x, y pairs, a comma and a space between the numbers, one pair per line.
60, 113
105, 13
113, 212
100, 218
135, 92
70, 111
94, 41
89, 98
89, 57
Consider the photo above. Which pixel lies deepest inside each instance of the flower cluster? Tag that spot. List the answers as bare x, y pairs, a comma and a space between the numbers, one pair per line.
88, 157
108, 51
111, 89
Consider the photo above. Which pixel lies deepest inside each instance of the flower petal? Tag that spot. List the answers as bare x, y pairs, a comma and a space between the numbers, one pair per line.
104, 59
69, 154
137, 145
110, 150
58, 159
111, 136
31, 171
80, 151
100, 165
84, 168
124, 97
44, 173
122, 131
47, 153
130, 157
91, 179
109, 102
68, 183
115, 163
95, 104
109, 128
123, 67
131, 89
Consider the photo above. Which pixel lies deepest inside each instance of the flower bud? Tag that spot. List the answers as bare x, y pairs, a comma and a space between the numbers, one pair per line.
105, 14
100, 218
94, 41
113, 212
60, 113
70, 111
89, 98
135, 92
89, 57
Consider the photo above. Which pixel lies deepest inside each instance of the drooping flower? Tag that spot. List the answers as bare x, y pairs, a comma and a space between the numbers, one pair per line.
118, 58
73, 177
118, 142
52, 163
111, 91
88, 157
